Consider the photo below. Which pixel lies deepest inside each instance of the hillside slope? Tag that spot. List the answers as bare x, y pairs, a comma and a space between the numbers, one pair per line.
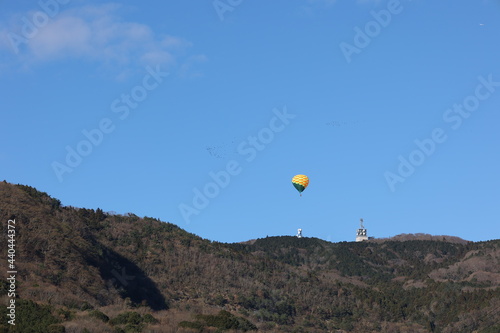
85, 269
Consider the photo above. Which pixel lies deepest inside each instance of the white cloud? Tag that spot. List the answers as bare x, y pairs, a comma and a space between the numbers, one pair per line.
66, 37
92, 33
188, 68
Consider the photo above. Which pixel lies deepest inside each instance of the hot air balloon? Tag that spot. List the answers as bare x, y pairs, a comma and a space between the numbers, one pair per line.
300, 182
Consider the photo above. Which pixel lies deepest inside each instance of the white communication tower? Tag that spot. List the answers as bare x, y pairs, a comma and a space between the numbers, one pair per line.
299, 233
361, 234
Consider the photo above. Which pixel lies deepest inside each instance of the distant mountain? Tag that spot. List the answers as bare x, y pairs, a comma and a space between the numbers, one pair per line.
84, 270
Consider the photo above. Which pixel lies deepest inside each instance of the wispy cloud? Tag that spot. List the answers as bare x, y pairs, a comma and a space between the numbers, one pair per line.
92, 33
188, 68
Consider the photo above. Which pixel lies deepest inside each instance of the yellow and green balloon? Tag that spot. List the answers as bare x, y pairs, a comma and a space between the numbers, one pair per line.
300, 182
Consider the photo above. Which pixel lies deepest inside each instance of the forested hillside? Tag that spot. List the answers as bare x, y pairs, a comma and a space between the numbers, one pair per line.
85, 270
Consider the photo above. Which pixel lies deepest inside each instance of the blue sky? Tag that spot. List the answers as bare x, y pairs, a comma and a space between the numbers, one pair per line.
201, 113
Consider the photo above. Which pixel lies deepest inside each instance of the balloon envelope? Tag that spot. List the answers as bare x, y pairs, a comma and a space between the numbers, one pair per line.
300, 182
